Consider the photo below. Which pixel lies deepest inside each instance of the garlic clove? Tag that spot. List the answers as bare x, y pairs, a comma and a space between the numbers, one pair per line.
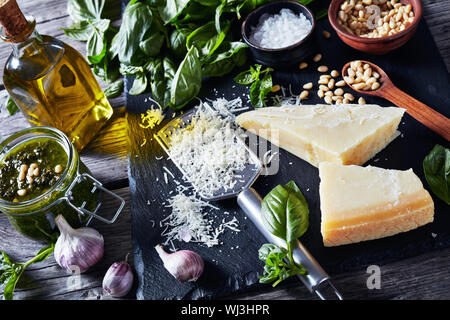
118, 280
77, 249
184, 265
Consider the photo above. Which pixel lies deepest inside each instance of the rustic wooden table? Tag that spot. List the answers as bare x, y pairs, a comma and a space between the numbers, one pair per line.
422, 277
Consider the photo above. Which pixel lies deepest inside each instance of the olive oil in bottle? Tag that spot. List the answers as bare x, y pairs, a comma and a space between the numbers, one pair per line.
51, 82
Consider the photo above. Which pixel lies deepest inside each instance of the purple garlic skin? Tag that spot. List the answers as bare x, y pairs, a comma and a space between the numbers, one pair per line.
118, 279
77, 249
184, 265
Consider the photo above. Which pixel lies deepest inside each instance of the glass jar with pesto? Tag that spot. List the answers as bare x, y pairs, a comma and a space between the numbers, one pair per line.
41, 176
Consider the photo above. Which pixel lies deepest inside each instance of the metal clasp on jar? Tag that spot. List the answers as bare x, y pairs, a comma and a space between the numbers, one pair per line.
96, 186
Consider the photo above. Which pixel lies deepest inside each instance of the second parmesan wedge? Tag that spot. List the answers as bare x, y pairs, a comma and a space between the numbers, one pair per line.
345, 134
365, 203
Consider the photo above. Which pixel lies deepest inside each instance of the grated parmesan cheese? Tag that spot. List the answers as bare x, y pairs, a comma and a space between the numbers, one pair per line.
208, 153
151, 118
189, 222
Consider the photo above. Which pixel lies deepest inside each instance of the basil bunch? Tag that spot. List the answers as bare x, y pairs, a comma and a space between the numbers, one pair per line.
166, 45
285, 214
436, 167
10, 271
259, 87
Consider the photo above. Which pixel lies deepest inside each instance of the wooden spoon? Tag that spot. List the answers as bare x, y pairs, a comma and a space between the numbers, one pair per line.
421, 112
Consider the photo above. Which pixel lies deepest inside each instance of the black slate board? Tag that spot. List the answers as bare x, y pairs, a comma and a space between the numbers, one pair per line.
417, 68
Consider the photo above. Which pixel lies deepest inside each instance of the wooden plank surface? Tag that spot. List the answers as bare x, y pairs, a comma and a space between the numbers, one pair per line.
423, 277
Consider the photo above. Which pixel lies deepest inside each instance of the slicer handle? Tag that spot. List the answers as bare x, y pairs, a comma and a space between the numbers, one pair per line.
250, 201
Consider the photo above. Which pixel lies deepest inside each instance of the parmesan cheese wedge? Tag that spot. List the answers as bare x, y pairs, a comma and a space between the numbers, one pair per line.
365, 203
345, 134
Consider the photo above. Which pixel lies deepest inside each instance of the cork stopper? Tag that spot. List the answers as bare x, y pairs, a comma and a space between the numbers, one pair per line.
11, 18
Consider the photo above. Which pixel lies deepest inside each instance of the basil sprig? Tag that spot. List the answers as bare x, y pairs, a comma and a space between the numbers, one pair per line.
436, 167
10, 271
285, 214
260, 82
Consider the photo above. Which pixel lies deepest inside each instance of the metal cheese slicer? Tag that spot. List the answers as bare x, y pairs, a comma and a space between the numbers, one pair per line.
316, 280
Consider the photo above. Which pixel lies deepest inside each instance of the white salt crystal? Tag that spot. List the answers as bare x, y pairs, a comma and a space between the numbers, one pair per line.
280, 30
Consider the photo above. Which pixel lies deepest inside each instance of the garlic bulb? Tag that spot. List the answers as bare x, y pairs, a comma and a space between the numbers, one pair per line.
118, 279
77, 249
184, 265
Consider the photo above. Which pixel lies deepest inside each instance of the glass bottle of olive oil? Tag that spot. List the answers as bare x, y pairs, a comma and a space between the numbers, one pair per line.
50, 81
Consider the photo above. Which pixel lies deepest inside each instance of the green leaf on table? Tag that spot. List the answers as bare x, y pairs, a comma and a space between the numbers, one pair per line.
115, 89
11, 106
187, 81
206, 38
285, 213
230, 55
436, 167
139, 84
10, 271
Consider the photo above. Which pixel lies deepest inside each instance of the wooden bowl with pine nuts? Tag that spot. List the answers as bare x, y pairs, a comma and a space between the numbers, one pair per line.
375, 26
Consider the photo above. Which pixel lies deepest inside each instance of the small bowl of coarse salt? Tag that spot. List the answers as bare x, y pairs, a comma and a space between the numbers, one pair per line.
280, 34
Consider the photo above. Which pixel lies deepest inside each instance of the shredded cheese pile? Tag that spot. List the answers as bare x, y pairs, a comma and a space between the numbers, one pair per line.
208, 153
188, 222
151, 118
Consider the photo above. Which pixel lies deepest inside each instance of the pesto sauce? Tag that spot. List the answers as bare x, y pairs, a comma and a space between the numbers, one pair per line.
36, 221
45, 154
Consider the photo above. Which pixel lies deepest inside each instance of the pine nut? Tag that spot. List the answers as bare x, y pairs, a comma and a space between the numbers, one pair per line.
274, 88
349, 96
36, 172
58, 168
30, 179
304, 94
324, 88
359, 86
23, 172
375, 86
303, 65
329, 94
328, 100
317, 57
340, 83
322, 81
335, 73
361, 100
21, 192
326, 34
322, 69
339, 92
331, 84
320, 94
308, 86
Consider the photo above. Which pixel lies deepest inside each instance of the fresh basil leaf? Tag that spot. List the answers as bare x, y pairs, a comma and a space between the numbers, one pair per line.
284, 213
172, 8
136, 22
208, 3
187, 81
11, 106
139, 84
231, 55
151, 46
114, 90
244, 78
178, 41
80, 10
162, 72
219, 10
80, 31
97, 43
206, 39
436, 167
